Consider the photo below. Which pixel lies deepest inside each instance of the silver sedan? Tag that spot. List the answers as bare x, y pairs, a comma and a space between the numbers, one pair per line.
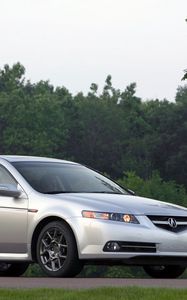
63, 215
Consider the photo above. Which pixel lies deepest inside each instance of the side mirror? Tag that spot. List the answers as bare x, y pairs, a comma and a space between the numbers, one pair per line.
9, 190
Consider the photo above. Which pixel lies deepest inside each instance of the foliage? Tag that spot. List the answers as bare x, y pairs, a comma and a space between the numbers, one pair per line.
114, 131
34, 271
155, 188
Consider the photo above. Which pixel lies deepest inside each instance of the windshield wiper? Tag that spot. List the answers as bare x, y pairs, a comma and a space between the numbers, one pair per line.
98, 192
104, 192
91, 192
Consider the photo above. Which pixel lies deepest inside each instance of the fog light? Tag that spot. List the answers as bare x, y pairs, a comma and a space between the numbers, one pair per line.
112, 246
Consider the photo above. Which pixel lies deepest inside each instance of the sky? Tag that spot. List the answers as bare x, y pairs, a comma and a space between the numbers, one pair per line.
73, 43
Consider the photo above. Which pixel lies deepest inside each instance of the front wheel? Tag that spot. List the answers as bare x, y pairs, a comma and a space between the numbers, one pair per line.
12, 270
164, 271
57, 251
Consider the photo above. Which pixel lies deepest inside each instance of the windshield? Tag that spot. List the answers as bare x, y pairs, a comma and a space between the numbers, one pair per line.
54, 178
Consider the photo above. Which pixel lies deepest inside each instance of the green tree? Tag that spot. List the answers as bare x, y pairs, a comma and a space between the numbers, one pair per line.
155, 187
11, 78
31, 118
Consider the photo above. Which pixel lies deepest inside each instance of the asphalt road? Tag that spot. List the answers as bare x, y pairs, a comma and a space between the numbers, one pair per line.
85, 283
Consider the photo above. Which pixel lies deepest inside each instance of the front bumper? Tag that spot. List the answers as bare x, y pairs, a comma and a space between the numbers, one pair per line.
93, 234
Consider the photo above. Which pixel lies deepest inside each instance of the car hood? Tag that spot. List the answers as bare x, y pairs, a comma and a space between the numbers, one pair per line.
123, 203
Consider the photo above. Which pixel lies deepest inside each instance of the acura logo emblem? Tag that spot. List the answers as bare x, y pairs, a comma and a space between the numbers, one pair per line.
172, 222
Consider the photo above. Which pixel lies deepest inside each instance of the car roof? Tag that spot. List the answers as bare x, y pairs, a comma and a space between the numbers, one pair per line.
20, 158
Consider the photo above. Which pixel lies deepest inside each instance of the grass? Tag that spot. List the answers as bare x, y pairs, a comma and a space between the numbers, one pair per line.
127, 293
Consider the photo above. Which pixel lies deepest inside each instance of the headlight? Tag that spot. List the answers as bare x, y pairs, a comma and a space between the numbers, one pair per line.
126, 218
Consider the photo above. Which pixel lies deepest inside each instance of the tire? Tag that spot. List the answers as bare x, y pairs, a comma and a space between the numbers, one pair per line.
12, 270
164, 271
57, 251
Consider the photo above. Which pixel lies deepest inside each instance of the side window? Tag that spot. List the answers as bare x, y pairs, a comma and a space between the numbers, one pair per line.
5, 177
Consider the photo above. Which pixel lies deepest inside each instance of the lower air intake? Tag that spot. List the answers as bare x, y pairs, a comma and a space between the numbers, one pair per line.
120, 246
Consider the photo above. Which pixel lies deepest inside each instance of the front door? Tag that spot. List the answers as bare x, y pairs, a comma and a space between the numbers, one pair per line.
13, 219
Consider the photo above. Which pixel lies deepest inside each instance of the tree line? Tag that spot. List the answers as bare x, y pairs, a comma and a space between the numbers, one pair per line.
114, 132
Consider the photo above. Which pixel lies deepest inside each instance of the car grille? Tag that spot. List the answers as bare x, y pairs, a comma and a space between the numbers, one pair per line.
171, 223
